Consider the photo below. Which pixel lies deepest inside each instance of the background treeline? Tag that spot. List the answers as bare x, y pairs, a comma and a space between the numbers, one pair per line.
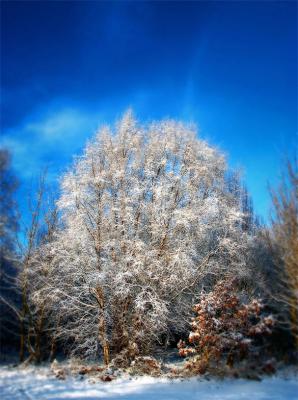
149, 223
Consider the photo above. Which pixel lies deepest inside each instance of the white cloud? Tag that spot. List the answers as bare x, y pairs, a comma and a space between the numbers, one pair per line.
51, 138
63, 125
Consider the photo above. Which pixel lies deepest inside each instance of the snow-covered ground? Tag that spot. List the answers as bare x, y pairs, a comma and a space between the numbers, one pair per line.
39, 384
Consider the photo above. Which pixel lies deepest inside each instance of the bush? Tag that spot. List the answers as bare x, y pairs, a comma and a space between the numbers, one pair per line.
225, 328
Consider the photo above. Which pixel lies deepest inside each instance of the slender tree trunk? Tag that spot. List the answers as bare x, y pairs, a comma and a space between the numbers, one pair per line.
22, 326
102, 328
294, 320
39, 327
22, 341
53, 350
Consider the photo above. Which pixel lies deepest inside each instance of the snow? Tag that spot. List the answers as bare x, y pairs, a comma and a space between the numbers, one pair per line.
39, 384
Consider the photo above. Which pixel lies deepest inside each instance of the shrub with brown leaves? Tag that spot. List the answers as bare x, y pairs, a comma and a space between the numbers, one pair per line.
225, 328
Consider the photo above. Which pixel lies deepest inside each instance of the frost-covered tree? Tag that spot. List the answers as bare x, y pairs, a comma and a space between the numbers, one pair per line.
147, 220
37, 328
32, 324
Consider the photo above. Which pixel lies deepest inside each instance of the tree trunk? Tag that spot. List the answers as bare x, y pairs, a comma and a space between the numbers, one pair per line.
294, 320
22, 341
102, 327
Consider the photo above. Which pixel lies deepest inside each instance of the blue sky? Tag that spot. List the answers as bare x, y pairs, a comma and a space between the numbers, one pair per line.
230, 67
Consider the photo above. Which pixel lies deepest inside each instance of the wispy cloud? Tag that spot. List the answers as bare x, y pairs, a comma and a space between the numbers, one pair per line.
61, 127
49, 139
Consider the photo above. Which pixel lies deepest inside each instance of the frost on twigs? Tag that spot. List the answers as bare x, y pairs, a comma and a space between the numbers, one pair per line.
225, 328
147, 216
